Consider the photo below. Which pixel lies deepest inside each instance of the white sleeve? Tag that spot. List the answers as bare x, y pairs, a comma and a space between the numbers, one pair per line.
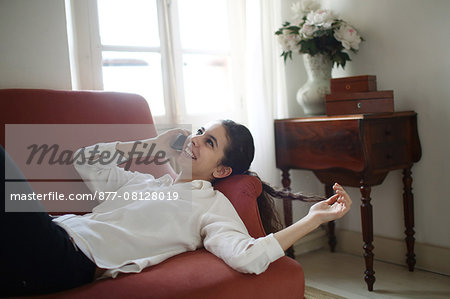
226, 237
102, 173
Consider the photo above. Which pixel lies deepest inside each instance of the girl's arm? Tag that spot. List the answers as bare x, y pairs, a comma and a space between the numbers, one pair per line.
331, 209
224, 234
97, 165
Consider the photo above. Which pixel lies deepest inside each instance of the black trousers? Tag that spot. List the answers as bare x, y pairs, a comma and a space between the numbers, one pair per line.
37, 255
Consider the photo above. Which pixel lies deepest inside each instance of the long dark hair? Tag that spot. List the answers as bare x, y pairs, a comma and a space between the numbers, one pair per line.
239, 155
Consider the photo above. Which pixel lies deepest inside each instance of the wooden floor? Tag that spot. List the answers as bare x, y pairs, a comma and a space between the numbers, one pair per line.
342, 274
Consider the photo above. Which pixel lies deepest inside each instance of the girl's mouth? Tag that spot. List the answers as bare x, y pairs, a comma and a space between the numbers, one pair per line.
188, 152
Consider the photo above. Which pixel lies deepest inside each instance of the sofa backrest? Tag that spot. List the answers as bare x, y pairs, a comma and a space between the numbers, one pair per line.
70, 119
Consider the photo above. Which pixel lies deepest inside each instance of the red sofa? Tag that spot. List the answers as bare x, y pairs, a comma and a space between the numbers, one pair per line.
197, 274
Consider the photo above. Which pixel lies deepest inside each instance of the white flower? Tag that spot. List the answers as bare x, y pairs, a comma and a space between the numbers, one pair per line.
307, 30
322, 17
314, 30
298, 13
348, 36
289, 41
298, 23
309, 5
300, 9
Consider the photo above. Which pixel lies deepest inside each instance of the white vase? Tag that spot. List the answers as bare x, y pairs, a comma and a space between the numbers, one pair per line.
311, 96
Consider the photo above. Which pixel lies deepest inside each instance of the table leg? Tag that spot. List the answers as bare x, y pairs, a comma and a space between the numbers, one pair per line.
367, 230
331, 233
287, 207
408, 208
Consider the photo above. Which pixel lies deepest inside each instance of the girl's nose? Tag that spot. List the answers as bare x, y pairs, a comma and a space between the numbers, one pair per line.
194, 140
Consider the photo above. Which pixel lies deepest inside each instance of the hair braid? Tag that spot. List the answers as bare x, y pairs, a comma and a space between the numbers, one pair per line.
283, 194
269, 216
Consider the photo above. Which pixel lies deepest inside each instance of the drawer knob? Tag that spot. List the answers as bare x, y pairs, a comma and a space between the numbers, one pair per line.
347, 86
358, 105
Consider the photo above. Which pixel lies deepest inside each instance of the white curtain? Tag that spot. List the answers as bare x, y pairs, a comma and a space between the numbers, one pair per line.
265, 85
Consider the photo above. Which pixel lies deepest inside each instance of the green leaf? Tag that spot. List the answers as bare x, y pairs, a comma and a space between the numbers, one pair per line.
345, 56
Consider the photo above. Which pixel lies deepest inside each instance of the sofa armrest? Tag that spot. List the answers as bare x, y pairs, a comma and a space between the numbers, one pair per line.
243, 191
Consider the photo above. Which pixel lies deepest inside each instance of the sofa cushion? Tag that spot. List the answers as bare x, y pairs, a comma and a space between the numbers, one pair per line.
197, 274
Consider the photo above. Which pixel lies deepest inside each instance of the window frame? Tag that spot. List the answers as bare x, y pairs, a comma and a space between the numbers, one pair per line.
89, 50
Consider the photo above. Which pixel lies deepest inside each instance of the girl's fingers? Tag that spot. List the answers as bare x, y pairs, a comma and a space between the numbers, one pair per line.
186, 132
336, 186
332, 199
343, 195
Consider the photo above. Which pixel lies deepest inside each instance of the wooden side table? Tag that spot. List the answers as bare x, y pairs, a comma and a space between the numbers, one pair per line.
357, 151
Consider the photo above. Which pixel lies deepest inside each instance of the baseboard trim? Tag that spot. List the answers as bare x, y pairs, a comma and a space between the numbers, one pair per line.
315, 240
428, 257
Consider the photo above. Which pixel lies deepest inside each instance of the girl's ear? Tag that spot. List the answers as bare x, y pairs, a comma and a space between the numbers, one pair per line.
222, 171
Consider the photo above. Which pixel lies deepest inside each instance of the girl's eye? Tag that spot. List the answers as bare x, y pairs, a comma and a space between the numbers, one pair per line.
200, 131
209, 141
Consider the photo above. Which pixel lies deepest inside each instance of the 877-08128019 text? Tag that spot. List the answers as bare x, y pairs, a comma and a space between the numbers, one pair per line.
147, 195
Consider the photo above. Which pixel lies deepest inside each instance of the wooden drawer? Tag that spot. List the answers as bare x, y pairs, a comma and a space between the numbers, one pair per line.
388, 155
360, 102
360, 106
388, 132
309, 144
360, 143
353, 84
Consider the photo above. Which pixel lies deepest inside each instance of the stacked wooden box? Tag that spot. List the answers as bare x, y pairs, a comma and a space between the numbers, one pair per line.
358, 95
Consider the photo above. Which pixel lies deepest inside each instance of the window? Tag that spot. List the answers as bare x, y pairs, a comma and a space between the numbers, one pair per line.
177, 54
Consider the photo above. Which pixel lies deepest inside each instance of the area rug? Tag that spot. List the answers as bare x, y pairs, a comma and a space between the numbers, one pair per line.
313, 293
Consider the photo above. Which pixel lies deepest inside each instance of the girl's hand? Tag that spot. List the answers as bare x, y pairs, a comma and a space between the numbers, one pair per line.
164, 140
152, 146
333, 208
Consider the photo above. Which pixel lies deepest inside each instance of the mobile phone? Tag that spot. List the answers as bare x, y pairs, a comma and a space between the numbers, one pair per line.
178, 143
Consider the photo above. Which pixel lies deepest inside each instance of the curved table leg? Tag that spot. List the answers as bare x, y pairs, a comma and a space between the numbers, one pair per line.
408, 208
367, 230
331, 233
287, 207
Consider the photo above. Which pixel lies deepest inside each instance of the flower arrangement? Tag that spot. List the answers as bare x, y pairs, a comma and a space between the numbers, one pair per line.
318, 31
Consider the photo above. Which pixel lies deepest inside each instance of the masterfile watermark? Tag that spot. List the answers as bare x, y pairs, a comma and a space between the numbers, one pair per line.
53, 154
49, 151
46, 160
51, 196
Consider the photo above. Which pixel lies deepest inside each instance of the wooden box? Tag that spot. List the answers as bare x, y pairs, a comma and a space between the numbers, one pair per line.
360, 102
353, 84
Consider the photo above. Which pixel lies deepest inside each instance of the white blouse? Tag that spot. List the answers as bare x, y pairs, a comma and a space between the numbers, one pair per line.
146, 220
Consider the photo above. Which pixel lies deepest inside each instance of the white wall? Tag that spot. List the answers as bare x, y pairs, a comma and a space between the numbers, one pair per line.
407, 47
33, 45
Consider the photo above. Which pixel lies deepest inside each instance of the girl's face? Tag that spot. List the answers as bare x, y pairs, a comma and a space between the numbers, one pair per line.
203, 152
